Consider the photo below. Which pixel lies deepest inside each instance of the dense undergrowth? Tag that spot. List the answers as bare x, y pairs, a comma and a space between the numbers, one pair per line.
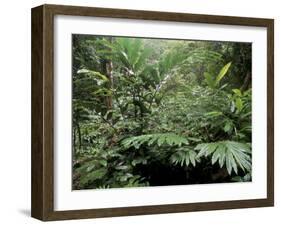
149, 112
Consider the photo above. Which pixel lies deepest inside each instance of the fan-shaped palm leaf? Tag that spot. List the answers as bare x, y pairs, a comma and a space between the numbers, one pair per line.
231, 154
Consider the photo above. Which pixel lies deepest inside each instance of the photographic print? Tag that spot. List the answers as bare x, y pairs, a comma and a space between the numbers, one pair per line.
159, 112
147, 112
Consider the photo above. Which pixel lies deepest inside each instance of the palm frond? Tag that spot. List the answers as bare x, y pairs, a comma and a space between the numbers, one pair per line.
231, 154
184, 156
160, 139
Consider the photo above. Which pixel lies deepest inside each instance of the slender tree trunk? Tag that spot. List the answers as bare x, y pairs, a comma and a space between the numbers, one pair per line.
247, 82
135, 106
74, 143
109, 67
79, 135
107, 70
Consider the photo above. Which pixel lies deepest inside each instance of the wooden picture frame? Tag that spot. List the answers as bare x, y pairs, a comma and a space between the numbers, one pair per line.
42, 204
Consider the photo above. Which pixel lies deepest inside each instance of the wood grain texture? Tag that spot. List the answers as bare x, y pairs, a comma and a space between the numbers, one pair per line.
42, 113
152, 15
43, 107
37, 200
270, 111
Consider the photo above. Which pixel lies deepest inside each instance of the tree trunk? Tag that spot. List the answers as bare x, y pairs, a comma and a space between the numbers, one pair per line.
79, 136
74, 143
107, 68
247, 82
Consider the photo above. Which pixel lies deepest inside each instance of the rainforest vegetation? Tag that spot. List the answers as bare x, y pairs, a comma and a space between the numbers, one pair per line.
153, 112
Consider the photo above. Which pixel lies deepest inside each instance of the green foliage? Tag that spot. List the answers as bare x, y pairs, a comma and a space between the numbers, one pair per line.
92, 176
222, 73
184, 156
245, 178
214, 81
131, 53
94, 74
150, 112
160, 139
231, 154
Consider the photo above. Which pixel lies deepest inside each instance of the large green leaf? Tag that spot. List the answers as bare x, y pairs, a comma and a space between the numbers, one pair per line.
239, 104
231, 154
131, 53
94, 74
222, 73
